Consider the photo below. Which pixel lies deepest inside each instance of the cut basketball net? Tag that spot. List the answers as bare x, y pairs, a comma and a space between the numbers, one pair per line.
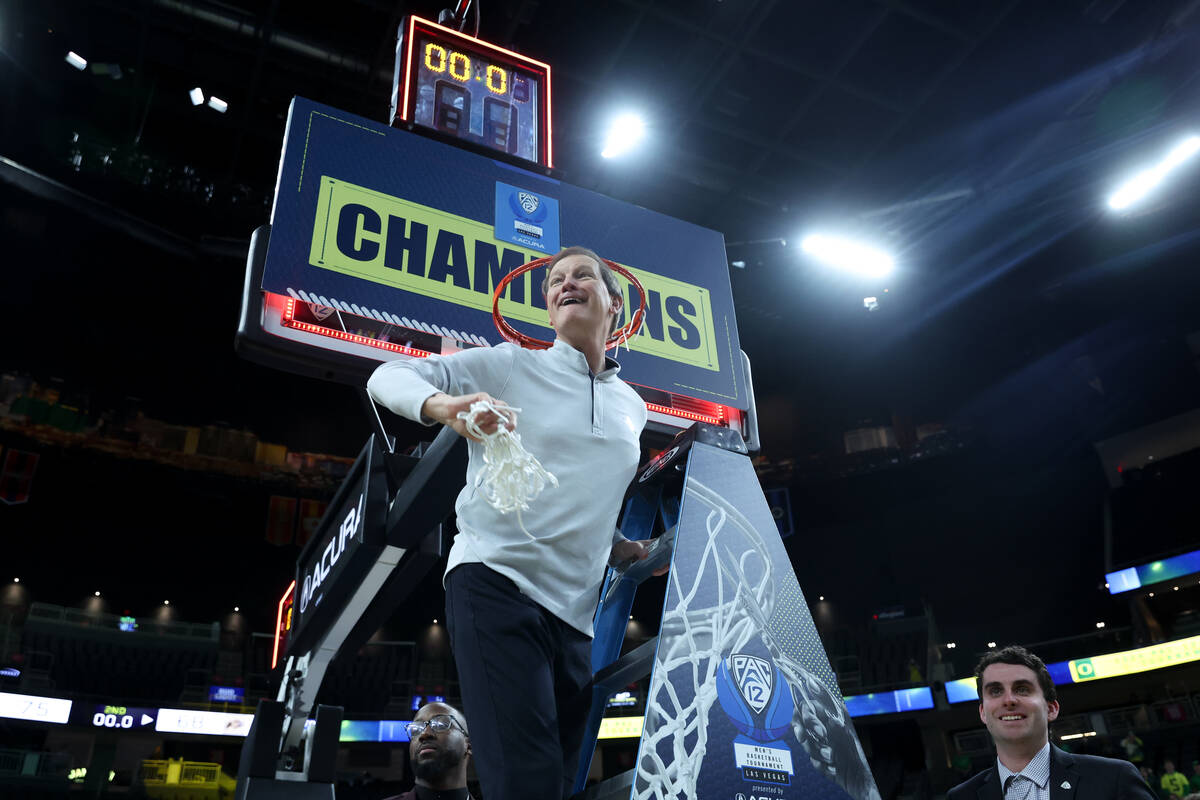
511, 477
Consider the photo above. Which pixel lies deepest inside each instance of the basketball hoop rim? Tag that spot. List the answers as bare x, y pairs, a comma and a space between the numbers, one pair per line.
619, 336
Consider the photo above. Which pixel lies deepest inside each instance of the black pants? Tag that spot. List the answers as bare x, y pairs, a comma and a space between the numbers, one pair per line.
522, 672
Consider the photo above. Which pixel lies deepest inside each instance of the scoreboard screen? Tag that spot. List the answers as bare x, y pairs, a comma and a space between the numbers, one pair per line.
472, 91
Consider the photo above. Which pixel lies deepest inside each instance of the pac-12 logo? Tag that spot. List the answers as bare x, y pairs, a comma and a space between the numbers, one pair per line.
755, 696
753, 677
529, 213
529, 202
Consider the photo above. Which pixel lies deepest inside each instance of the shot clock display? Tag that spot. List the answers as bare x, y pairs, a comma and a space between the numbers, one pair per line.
472, 91
123, 717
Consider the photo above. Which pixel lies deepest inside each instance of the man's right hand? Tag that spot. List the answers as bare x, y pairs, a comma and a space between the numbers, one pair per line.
445, 408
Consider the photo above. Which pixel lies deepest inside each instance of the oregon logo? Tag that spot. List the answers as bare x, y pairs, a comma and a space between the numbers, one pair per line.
1083, 669
391, 241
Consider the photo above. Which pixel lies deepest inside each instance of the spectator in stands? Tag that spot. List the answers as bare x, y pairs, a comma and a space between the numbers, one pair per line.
1133, 748
439, 748
1173, 781
1017, 703
1152, 780
1194, 781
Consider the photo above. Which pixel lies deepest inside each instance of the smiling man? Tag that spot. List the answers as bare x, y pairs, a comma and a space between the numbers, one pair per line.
1017, 703
519, 605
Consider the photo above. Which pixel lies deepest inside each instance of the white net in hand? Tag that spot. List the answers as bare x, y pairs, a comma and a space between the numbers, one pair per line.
511, 477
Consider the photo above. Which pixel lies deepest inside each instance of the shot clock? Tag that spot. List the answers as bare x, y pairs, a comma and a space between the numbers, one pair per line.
472, 91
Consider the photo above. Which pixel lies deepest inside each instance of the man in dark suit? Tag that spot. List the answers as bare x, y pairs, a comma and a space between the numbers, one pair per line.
439, 748
1017, 703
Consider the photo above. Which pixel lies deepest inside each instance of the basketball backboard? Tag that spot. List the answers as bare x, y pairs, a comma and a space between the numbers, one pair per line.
386, 244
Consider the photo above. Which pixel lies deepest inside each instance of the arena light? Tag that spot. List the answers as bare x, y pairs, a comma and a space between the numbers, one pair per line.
1146, 181
847, 254
218, 104
197, 96
77, 61
623, 135
991, 644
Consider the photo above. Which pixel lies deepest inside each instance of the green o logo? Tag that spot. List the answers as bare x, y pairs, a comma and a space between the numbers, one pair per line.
1085, 669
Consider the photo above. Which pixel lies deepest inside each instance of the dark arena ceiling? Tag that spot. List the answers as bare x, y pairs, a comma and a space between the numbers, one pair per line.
975, 141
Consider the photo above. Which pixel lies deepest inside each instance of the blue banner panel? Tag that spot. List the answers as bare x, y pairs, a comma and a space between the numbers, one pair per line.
919, 698
962, 690
385, 223
742, 699
1166, 569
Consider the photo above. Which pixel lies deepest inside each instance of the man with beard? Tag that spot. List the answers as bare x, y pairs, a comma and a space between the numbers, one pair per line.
438, 747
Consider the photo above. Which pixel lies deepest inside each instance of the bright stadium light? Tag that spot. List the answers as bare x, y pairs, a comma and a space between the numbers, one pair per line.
77, 61
197, 96
624, 134
848, 255
1146, 181
218, 104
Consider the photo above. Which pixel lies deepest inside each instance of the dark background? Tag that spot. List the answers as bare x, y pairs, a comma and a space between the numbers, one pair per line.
976, 141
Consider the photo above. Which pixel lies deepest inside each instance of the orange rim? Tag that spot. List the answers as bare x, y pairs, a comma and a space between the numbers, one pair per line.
619, 336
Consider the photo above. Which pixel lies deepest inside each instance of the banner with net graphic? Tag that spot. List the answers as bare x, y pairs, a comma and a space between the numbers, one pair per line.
742, 698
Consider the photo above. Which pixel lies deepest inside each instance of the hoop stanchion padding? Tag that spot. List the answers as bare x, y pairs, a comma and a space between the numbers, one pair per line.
741, 692
619, 337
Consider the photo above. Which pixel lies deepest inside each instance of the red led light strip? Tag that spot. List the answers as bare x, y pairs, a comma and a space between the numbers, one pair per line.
289, 321
677, 412
279, 623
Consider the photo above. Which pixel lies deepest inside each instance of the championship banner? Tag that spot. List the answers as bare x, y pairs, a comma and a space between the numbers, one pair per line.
311, 512
16, 478
387, 224
281, 520
742, 698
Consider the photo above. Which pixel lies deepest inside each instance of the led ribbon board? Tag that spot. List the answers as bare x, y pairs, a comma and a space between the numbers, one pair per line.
384, 223
473, 91
347, 542
34, 708
1167, 569
919, 698
1094, 668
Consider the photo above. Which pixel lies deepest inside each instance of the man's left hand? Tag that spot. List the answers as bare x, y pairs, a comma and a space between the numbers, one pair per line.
626, 552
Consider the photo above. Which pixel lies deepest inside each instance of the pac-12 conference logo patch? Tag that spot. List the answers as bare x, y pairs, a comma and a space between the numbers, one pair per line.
753, 677
526, 218
529, 202
758, 701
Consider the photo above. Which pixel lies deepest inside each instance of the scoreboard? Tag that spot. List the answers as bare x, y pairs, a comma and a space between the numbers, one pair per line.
472, 91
